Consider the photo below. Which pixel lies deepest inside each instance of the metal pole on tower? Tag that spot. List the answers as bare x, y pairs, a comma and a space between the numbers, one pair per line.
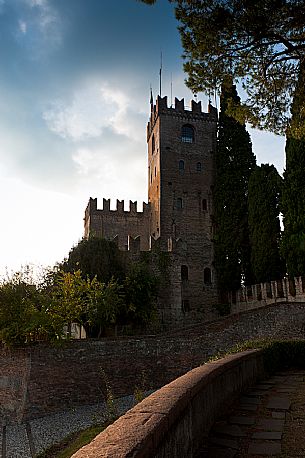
171, 90
160, 73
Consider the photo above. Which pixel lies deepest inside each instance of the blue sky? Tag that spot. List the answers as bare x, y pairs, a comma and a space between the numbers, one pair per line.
74, 103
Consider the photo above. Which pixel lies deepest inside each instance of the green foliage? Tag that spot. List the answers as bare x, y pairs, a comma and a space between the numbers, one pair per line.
96, 257
127, 294
223, 309
293, 200
278, 354
141, 388
23, 316
141, 288
72, 443
67, 299
234, 163
259, 43
105, 304
265, 186
111, 405
105, 294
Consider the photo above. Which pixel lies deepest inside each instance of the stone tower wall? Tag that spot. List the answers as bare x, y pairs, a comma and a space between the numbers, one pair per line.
181, 178
181, 236
118, 223
169, 182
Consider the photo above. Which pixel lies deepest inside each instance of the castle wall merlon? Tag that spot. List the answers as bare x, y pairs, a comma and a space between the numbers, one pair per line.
106, 205
196, 106
161, 103
133, 206
133, 244
179, 104
120, 205
92, 205
212, 111
176, 245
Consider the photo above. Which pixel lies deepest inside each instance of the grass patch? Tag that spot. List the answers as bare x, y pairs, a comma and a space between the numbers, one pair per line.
278, 354
73, 442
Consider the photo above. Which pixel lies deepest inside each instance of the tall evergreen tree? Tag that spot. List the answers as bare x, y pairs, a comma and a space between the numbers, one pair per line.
234, 164
264, 225
293, 202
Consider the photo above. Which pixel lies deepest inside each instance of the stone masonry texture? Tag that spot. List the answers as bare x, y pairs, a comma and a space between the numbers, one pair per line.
179, 214
41, 379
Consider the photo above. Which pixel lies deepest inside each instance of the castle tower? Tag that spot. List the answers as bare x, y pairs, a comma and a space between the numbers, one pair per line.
181, 147
181, 154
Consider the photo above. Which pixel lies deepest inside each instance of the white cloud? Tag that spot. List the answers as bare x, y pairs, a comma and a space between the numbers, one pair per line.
45, 24
84, 160
22, 26
94, 108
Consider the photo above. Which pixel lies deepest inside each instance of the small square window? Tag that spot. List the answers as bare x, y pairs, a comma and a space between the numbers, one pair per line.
185, 305
179, 203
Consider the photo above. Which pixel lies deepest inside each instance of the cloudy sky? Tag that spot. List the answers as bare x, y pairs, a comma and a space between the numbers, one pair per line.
74, 103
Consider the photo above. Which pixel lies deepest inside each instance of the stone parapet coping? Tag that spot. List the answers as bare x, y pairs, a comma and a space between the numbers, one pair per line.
175, 420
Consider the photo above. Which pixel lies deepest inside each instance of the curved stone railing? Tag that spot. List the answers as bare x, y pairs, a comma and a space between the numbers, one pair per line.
175, 420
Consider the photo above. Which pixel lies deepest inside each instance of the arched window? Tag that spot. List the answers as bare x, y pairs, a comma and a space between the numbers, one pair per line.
187, 134
181, 166
185, 305
207, 277
184, 273
179, 203
198, 166
204, 205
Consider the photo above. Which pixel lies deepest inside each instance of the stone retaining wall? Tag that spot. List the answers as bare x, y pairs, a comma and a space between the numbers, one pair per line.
175, 420
40, 380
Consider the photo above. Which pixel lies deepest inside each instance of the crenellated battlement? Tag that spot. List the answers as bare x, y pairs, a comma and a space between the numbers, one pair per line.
170, 245
262, 294
180, 110
119, 210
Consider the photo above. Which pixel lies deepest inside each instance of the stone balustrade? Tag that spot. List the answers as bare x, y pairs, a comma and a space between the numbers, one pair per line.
176, 419
255, 296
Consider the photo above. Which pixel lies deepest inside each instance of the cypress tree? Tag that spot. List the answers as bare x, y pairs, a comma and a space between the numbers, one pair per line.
264, 225
234, 164
293, 201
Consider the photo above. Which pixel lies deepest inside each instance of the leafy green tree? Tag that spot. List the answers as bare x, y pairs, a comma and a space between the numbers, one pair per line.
105, 303
264, 225
96, 257
68, 296
293, 201
234, 164
22, 314
260, 43
141, 289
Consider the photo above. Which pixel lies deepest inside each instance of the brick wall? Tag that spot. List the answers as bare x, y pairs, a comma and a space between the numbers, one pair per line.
42, 379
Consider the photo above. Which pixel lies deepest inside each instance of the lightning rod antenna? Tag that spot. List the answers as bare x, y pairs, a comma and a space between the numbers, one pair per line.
160, 73
171, 90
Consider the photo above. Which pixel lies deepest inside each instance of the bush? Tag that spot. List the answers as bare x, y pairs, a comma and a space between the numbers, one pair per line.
223, 309
278, 354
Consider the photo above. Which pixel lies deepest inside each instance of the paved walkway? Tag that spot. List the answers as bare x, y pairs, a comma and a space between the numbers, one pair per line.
29, 439
254, 428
